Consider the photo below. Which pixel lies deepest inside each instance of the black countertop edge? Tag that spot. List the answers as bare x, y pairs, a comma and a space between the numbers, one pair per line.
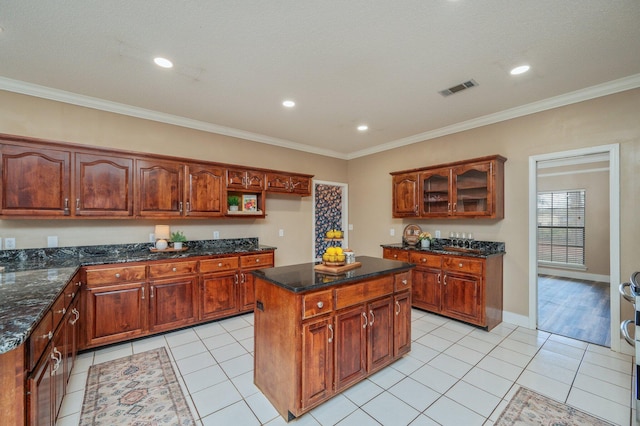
479, 249
303, 277
34, 278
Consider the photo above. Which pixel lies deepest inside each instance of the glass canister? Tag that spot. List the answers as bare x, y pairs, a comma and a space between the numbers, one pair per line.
349, 256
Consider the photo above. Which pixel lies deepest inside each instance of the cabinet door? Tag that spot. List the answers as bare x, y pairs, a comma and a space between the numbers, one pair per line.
395, 254
103, 185
405, 195
173, 303
426, 289
380, 333
245, 179
462, 298
115, 312
472, 190
58, 378
246, 294
402, 324
255, 180
160, 187
41, 393
35, 182
350, 346
317, 361
204, 191
278, 183
435, 186
218, 295
72, 324
301, 185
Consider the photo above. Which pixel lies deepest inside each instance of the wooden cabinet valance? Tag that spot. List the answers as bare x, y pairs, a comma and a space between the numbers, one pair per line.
42, 179
465, 189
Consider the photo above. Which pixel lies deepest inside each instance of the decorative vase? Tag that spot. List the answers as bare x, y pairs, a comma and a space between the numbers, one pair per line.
425, 243
177, 245
233, 208
162, 244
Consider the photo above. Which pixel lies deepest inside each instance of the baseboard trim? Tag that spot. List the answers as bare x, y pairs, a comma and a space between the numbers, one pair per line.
574, 274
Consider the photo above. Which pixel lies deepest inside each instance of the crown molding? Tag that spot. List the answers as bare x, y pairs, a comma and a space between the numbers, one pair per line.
132, 111
608, 88
615, 86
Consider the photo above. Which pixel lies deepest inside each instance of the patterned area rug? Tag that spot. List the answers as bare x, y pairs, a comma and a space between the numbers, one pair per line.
138, 390
530, 408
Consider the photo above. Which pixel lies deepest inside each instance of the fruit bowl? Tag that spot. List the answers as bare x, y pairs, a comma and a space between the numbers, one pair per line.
325, 263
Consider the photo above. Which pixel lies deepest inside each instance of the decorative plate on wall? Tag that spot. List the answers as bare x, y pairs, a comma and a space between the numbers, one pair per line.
410, 234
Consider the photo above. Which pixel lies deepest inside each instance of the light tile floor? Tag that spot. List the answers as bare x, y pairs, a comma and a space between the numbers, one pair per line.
455, 374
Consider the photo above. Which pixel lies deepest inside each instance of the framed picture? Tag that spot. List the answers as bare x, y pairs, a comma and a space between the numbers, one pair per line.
250, 203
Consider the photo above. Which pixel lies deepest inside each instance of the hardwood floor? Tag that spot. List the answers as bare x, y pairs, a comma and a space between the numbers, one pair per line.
575, 308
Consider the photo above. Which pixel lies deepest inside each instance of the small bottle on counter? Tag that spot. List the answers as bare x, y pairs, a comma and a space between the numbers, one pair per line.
349, 256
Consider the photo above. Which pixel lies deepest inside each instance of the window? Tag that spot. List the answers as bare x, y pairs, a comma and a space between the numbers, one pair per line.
561, 227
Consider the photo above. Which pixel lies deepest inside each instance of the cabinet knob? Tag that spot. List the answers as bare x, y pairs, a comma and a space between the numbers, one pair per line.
320, 305
47, 336
460, 265
174, 269
395, 256
258, 260
220, 265
423, 260
404, 282
62, 311
117, 275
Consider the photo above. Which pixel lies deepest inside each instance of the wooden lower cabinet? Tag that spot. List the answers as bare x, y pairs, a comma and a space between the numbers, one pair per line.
460, 287
311, 346
134, 300
47, 380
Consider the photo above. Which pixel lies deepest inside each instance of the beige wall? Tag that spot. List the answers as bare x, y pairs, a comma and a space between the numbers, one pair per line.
602, 121
29, 116
594, 179
606, 120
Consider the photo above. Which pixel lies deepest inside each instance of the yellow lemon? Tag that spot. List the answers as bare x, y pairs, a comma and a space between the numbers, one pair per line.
340, 257
330, 234
331, 251
325, 257
338, 250
337, 234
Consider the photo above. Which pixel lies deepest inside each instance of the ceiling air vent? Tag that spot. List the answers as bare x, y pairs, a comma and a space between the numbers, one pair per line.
458, 88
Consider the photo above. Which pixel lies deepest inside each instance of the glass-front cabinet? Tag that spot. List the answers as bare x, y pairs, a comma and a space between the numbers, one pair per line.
472, 189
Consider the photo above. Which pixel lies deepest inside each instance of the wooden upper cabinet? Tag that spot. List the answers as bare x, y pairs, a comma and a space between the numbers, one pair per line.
405, 195
471, 189
160, 188
289, 184
35, 181
204, 192
245, 179
103, 185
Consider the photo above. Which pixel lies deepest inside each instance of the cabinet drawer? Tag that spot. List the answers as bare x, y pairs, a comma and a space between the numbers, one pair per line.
402, 281
40, 338
219, 264
261, 260
429, 260
359, 293
395, 254
71, 290
172, 269
315, 304
462, 264
58, 310
116, 275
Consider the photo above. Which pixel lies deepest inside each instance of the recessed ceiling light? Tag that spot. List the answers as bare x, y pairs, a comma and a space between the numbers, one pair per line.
163, 62
289, 104
363, 127
520, 70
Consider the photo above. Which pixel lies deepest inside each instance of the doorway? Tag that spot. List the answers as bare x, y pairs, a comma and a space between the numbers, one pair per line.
578, 281
330, 211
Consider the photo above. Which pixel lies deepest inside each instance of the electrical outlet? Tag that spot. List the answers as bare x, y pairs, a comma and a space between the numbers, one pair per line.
437, 233
9, 243
351, 227
52, 241
392, 232
216, 235
281, 233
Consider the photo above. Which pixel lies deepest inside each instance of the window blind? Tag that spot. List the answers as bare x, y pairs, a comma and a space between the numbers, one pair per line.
561, 226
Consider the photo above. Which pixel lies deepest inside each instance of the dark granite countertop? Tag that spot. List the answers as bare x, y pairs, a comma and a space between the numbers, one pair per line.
33, 278
481, 249
303, 277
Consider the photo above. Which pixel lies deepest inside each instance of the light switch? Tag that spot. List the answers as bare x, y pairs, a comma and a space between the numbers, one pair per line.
392, 232
281, 233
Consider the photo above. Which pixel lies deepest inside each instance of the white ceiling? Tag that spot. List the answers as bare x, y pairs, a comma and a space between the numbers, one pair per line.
379, 62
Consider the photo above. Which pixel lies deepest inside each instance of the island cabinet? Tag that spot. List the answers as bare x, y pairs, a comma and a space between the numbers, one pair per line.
465, 189
465, 288
311, 345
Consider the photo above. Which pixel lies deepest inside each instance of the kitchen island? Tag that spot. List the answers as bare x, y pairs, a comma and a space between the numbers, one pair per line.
317, 334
